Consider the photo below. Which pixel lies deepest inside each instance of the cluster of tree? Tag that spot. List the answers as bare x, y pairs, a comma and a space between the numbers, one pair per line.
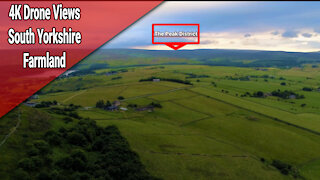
44, 104
191, 75
132, 105
245, 94
101, 104
88, 70
155, 104
120, 98
68, 120
247, 78
86, 151
54, 91
258, 94
157, 67
71, 107
266, 76
214, 84
286, 94
152, 104
285, 168
224, 91
113, 72
115, 78
120, 70
67, 110
38, 155
82, 72
307, 89
167, 79
242, 78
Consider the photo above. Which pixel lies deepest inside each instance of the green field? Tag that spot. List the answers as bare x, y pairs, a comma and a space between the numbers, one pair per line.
203, 131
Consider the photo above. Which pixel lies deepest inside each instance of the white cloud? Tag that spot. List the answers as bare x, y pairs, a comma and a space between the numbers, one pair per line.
260, 41
175, 7
234, 25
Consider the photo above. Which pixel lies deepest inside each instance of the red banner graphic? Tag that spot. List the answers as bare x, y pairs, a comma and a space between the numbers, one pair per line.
100, 21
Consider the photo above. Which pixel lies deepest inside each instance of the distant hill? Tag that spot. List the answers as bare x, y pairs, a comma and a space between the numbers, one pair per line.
217, 57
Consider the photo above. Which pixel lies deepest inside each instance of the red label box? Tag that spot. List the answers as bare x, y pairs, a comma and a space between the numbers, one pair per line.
176, 45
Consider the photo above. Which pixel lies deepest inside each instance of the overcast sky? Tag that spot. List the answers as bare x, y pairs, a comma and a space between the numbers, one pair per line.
279, 26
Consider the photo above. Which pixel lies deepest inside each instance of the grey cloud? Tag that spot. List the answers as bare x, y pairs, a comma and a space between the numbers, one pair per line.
317, 30
275, 33
290, 34
209, 42
307, 35
247, 35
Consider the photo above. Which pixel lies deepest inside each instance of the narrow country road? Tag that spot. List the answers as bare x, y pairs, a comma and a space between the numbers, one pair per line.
12, 130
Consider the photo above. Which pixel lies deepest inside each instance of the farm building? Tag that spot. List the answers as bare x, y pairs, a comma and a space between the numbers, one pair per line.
115, 106
116, 103
112, 108
111, 73
292, 97
30, 104
147, 108
35, 96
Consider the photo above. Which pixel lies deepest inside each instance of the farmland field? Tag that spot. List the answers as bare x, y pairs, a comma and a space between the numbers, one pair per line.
211, 125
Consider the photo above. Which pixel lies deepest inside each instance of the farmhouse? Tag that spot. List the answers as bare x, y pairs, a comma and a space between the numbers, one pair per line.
67, 73
30, 104
261, 69
116, 103
123, 108
111, 73
115, 106
112, 108
156, 80
35, 96
292, 96
267, 94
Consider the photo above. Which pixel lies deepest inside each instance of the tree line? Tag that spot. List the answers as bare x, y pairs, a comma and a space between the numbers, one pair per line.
167, 79
85, 151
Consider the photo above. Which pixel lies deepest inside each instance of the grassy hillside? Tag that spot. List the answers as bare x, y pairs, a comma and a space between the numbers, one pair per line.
216, 57
56, 143
216, 127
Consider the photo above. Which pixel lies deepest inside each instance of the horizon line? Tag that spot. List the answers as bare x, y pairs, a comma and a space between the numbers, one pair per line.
211, 49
